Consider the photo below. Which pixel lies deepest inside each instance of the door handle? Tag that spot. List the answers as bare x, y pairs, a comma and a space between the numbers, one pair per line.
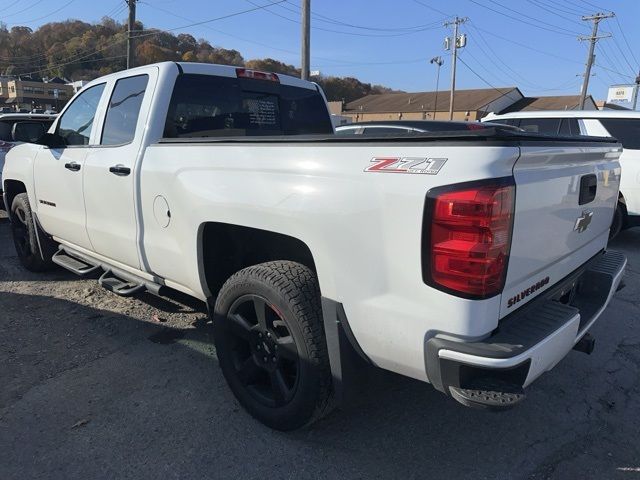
588, 189
73, 166
120, 170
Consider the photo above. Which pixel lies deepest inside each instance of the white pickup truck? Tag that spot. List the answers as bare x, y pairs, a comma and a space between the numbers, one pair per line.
474, 260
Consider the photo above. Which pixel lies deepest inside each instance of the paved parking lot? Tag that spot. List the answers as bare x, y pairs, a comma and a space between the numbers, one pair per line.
96, 386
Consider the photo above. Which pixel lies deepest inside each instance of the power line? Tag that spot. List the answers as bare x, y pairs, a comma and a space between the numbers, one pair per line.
593, 5
553, 11
562, 7
502, 92
333, 21
262, 44
624, 37
24, 9
553, 30
45, 16
432, 8
521, 78
155, 32
340, 31
528, 47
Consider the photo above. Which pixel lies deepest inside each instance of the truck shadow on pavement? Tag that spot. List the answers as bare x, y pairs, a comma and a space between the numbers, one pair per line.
90, 393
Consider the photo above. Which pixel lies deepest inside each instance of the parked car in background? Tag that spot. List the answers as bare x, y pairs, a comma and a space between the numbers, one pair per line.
18, 128
620, 124
387, 127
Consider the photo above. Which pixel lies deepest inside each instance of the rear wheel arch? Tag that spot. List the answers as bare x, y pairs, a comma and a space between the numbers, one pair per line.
12, 188
622, 202
225, 249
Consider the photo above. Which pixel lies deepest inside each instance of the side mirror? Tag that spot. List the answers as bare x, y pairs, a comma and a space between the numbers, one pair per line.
28, 132
51, 140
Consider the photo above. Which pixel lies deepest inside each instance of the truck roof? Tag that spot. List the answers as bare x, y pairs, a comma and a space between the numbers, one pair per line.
201, 69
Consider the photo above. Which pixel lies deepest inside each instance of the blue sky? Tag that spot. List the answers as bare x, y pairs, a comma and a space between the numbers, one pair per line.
531, 44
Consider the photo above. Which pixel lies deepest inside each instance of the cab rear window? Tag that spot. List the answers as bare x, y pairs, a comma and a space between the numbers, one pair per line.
210, 106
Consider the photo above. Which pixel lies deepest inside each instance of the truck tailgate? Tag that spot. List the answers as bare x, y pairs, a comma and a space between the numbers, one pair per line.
565, 199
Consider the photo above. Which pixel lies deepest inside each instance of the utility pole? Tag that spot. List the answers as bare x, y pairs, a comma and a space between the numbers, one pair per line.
635, 97
439, 62
454, 43
306, 38
596, 18
132, 26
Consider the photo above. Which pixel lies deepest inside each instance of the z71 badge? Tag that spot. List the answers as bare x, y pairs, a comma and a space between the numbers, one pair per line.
429, 166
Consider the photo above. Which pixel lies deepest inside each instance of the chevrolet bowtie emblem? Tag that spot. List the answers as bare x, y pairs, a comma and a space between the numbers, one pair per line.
583, 221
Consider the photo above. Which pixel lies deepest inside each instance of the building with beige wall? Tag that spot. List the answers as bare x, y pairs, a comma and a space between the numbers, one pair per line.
470, 105
28, 94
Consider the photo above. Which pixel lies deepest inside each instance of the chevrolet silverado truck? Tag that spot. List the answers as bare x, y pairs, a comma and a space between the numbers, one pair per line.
474, 260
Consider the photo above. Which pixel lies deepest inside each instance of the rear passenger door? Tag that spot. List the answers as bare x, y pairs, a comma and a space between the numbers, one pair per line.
110, 180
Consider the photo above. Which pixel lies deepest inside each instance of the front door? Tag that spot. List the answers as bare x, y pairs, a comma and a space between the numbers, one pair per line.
58, 171
109, 172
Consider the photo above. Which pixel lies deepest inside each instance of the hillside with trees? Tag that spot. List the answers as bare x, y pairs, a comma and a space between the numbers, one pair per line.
82, 51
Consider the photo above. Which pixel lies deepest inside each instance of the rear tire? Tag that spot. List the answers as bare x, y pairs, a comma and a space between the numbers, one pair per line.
270, 342
618, 221
34, 256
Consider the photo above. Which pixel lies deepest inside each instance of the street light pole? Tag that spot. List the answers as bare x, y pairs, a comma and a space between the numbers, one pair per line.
439, 62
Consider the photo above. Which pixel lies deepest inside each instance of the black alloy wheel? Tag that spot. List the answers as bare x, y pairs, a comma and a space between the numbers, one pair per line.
265, 353
270, 342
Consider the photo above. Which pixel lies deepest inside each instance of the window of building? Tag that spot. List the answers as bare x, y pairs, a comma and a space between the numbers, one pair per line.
76, 122
124, 109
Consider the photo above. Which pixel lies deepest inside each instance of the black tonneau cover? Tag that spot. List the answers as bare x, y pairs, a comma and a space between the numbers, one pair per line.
492, 134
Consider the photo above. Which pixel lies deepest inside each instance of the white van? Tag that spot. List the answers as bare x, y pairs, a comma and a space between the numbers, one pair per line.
621, 124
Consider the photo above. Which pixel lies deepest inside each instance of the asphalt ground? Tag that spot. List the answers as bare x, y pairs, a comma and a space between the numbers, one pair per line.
97, 386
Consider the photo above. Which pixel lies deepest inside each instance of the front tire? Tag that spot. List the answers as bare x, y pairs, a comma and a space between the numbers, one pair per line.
33, 246
271, 346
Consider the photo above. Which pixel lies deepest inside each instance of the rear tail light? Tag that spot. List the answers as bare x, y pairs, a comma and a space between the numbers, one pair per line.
467, 237
257, 75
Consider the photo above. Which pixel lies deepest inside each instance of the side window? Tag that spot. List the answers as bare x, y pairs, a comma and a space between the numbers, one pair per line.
124, 109
76, 122
549, 126
569, 127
